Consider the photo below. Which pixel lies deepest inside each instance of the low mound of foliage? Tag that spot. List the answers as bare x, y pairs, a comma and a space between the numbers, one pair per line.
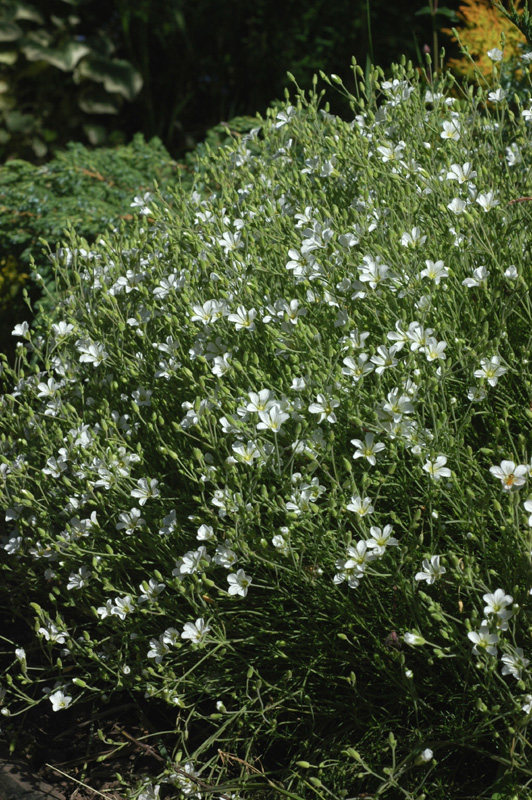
266, 462
85, 189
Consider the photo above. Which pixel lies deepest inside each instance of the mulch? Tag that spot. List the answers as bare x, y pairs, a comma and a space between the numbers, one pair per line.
65, 756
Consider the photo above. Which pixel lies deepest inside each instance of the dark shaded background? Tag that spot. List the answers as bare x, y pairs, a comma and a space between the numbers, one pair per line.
205, 61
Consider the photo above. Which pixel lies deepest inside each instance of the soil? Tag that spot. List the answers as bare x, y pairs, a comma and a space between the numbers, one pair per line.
66, 756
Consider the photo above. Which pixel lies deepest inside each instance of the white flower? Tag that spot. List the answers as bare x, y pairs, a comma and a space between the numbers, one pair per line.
368, 449
205, 533
373, 272
158, 649
434, 271
527, 708
59, 700
476, 394
451, 130
413, 239
457, 206
238, 583
224, 556
231, 241
490, 369
495, 54
272, 419
358, 556
510, 475
426, 755
480, 275
324, 407
146, 490
514, 664
261, 401
432, 570
461, 173
359, 506
52, 634
414, 639
497, 96
528, 507
283, 118
150, 590
210, 311
484, 640
390, 152
92, 352
437, 469
385, 358
142, 396
79, 579
21, 329
381, 539
434, 350
487, 201
511, 273
496, 603
195, 631
357, 369
192, 562
123, 606
243, 318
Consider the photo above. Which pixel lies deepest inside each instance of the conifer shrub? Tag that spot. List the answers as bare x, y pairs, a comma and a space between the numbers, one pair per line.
83, 188
266, 461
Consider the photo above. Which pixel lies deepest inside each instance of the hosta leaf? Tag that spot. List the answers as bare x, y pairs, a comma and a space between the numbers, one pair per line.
26, 11
10, 31
8, 57
96, 101
117, 76
64, 58
17, 122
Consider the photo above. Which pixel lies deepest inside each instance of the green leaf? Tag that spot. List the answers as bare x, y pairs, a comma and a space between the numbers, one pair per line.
95, 100
10, 31
96, 134
117, 76
64, 58
8, 57
25, 11
17, 122
448, 12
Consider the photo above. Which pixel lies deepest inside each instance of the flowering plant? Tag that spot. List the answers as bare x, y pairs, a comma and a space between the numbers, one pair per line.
266, 460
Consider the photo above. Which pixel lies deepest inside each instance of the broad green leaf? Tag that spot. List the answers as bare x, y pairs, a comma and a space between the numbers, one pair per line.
448, 12
97, 101
10, 31
29, 12
39, 147
117, 76
96, 134
17, 122
8, 57
7, 102
64, 58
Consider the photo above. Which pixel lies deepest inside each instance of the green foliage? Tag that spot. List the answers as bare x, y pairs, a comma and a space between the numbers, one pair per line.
264, 461
100, 70
57, 78
87, 189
